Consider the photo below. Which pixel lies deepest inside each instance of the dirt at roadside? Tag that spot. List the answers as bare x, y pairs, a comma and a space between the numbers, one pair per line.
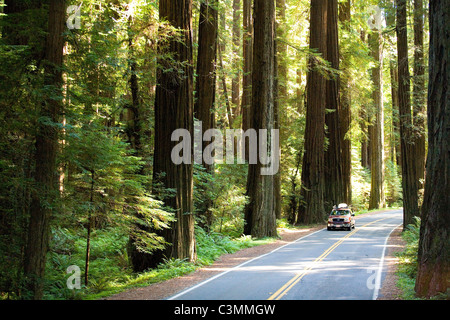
389, 289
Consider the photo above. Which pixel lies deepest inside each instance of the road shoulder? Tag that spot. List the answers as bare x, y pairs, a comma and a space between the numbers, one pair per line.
389, 289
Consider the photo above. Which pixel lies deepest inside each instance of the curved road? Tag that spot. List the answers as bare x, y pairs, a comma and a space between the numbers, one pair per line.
325, 265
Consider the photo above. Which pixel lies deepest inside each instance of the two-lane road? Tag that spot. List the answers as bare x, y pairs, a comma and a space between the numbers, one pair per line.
323, 265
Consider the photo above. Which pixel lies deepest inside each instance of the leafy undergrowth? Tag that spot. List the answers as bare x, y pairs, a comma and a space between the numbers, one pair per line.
110, 270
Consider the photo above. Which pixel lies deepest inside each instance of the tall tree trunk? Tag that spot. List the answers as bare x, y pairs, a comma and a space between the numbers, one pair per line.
280, 88
174, 110
282, 50
135, 127
247, 45
393, 71
224, 89
311, 208
377, 198
334, 189
46, 178
260, 211
236, 35
345, 113
395, 112
409, 177
365, 127
419, 90
434, 245
206, 86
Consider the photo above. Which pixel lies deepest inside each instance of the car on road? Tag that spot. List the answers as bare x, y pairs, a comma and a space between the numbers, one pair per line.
341, 217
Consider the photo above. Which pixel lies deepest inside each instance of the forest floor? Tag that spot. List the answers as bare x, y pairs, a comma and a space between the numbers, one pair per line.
165, 289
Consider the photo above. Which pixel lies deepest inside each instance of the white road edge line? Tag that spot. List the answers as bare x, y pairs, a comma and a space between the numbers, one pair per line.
381, 265
238, 266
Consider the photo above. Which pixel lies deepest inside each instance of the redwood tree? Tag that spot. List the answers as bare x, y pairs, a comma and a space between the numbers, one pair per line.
345, 114
334, 188
311, 208
46, 177
206, 86
236, 35
173, 110
377, 198
260, 211
408, 155
419, 89
247, 53
434, 245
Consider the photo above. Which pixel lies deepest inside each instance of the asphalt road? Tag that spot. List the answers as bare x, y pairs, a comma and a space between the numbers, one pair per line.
325, 265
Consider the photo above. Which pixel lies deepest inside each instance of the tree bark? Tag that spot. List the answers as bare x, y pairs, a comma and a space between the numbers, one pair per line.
174, 110
377, 197
224, 89
434, 245
345, 114
311, 208
260, 214
365, 127
334, 188
419, 109
282, 50
135, 127
395, 113
46, 177
247, 45
206, 86
235, 81
280, 88
409, 177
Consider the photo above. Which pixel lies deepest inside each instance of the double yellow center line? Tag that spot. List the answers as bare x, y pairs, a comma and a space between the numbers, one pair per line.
291, 283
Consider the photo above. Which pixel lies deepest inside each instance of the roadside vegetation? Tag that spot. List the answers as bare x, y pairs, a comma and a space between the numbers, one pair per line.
110, 270
408, 265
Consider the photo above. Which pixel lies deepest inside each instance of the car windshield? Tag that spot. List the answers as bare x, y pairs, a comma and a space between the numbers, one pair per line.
339, 212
